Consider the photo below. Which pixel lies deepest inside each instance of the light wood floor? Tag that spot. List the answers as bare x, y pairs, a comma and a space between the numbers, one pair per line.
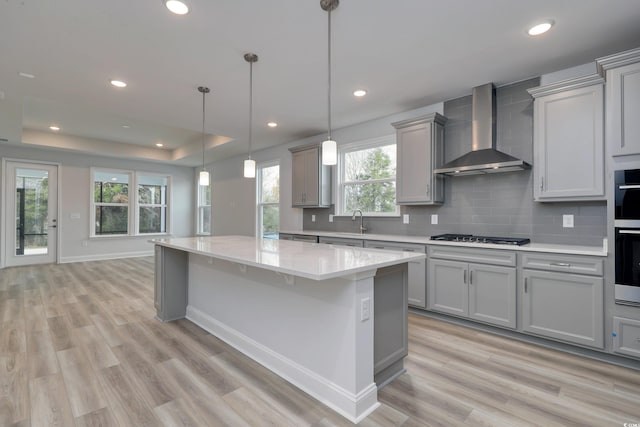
79, 346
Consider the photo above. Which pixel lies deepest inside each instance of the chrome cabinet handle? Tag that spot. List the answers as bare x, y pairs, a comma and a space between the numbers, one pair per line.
560, 264
428, 189
628, 187
471, 277
525, 285
409, 250
629, 231
542, 183
464, 277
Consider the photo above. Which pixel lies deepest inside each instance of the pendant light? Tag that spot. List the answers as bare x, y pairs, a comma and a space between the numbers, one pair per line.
204, 174
250, 164
329, 147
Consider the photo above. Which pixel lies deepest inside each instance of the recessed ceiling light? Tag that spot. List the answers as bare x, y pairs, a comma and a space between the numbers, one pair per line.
272, 124
26, 75
540, 28
158, 144
125, 126
118, 83
359, 93
54, 128
177, 7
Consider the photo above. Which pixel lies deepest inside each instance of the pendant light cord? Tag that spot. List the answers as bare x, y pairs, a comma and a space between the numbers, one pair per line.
250, 106
329, 73
203, 93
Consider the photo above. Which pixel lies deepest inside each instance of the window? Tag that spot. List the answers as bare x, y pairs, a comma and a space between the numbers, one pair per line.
114, 208
367, 178
111, 203
152, 204
268, 214
203, 220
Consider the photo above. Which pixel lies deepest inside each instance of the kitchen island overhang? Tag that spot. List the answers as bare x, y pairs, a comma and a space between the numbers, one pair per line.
331, 320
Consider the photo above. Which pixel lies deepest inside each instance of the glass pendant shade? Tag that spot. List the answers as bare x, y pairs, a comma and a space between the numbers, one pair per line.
329, 152
204, 178
249, 168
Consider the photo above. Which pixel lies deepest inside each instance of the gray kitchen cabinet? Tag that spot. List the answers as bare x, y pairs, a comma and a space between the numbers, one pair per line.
170, 287
341, 241
561, 304
417, 270
478, 291
311, 180
622, 71
626, 336
568, 155
419, 145
298, 237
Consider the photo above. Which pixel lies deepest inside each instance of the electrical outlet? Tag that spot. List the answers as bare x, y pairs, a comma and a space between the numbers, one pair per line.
434, 219
313, 218
405, 219
567, 221
365, 309
330, 217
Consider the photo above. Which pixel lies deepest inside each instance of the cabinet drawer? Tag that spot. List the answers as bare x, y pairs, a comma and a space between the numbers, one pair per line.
394, 246
482, 256
341, 241
564, 263
627, 336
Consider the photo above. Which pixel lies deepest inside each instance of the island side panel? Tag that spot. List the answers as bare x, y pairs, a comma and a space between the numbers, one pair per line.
309, 332
171, 283
391, 343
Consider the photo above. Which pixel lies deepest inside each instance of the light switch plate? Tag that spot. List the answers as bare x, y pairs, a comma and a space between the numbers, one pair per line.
330, 217
313, 218
405, 219
567, 221
434, 219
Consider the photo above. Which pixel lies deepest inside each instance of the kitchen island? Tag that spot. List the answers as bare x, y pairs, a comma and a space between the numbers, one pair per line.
331, 320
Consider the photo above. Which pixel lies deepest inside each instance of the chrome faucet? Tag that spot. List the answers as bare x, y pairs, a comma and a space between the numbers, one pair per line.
353, 218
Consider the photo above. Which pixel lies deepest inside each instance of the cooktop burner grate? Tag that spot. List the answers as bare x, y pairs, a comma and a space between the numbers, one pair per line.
470, 238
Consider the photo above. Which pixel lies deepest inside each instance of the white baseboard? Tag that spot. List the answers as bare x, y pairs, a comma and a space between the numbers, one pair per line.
354, 407
103, 257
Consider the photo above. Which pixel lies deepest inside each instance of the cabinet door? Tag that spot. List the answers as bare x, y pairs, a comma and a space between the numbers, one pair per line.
447, 288
626, 336
623, 109
569, 145
298, 178
414, 164
566, 307
492, 294
312, 177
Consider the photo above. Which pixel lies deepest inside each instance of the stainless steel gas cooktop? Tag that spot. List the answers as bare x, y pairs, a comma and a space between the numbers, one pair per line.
470, 238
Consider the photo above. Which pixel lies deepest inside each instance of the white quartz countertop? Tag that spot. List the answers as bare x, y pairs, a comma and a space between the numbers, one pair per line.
310, 260
425, 240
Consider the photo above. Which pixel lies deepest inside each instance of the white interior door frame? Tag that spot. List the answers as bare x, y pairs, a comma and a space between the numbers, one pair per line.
4, 202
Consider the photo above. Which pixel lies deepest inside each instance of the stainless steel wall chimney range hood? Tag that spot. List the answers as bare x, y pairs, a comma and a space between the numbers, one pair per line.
483, 157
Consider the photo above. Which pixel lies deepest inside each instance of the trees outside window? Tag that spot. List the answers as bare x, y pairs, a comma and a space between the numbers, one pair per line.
367, 179
268, 193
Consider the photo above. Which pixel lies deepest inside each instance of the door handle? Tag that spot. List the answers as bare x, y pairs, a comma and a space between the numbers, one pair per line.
542, 183
525, 285
464, 277
629, 187
561, 264
53, 226
471, 277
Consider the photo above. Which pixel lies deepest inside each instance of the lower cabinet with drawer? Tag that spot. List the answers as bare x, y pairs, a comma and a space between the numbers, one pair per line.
476, 284
417, 269
562, 298
626, 338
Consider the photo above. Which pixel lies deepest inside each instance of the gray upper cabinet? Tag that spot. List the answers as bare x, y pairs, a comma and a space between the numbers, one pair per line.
622, 72
419, 145
569, 140
311, 181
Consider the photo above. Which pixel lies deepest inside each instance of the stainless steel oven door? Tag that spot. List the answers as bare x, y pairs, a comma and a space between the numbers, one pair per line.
627, 256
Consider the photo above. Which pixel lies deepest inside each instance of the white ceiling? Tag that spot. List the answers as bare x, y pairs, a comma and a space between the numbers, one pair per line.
406, 53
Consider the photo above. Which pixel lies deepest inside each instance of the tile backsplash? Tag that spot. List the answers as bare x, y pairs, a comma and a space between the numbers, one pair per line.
496, 204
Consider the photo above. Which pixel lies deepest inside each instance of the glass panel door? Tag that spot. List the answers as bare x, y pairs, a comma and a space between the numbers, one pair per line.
31, 213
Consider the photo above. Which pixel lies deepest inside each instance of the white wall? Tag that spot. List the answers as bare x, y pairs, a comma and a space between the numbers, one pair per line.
233, 197
74, 185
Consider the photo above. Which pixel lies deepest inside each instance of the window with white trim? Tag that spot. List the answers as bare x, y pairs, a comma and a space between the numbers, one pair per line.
117, 211
367, 178
268, 198
203, 220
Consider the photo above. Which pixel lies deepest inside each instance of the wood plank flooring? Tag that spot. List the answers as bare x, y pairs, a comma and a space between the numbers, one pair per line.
79, 345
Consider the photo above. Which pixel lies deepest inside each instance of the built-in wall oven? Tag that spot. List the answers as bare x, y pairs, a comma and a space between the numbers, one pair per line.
627, 230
